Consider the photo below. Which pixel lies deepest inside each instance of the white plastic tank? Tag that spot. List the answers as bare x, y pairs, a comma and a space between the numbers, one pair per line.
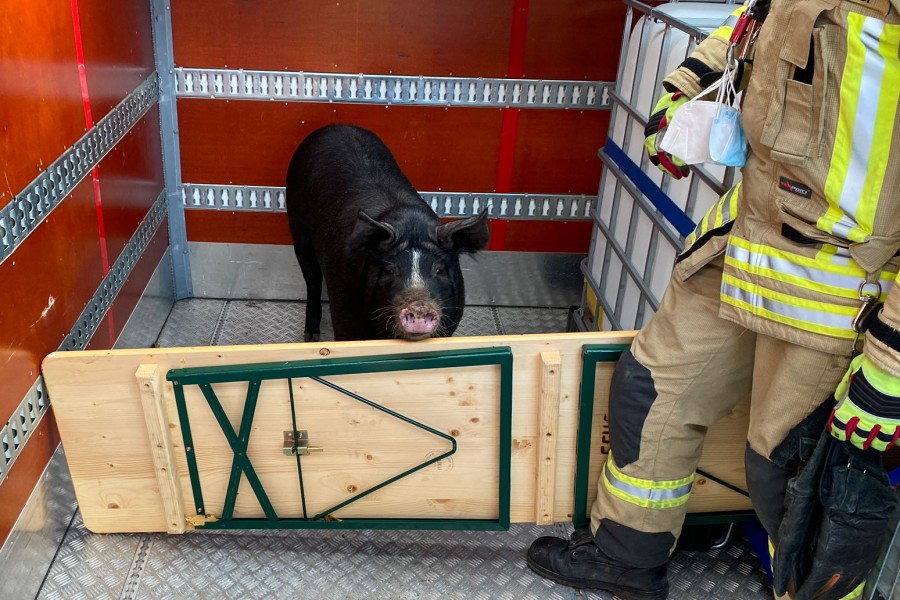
652, 50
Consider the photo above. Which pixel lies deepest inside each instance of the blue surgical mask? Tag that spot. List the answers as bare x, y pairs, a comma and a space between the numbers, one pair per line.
727, 142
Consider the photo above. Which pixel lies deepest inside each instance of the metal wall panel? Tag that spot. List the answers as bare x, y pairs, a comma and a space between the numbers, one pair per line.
131, 179
246, 227
544, 236
39, 531
237, 228
131, 293
40, 106
65, 65
251, 143
557, 151
141, 329
573, 39
31, 462
118, 50
412, 37
46, 284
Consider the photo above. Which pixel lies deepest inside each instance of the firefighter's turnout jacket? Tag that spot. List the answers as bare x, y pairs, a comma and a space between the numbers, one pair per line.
816, 221
763, 298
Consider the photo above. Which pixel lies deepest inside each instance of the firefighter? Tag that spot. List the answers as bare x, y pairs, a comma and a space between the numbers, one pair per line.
769, 296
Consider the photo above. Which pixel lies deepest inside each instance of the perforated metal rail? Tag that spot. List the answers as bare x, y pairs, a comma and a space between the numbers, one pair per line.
545, 207
300, 86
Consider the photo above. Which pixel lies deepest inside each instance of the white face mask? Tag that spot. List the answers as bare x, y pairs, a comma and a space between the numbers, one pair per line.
708, 131
687, 136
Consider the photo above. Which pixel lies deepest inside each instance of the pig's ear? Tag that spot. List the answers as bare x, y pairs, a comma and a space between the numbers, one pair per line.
465, 235
371, 235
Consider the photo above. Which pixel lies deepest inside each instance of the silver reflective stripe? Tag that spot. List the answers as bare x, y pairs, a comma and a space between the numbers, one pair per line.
863, 126
841, 257
797, 313
850, 283
644, 493
731, 21
726, 206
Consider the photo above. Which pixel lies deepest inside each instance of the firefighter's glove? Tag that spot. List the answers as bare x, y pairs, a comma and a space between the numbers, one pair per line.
867, 413
659, 120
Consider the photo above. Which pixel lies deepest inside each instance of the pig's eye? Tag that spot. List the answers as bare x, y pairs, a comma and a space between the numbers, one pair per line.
390, 269
438, 270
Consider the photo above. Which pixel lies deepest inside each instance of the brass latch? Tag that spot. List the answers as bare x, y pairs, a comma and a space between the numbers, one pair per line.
201, 520
297, 442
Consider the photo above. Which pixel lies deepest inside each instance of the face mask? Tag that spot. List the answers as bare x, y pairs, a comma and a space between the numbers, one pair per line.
708, 131
687, 136
727, 142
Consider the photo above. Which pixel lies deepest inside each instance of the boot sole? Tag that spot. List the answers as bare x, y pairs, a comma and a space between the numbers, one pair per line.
623, 592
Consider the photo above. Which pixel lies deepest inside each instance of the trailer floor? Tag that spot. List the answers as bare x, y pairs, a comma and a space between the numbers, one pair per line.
349, 564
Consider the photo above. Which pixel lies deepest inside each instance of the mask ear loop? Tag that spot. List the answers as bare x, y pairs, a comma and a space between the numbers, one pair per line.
726, 95
727, 91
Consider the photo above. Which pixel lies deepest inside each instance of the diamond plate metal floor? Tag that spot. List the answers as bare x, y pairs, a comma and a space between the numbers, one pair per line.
403, 565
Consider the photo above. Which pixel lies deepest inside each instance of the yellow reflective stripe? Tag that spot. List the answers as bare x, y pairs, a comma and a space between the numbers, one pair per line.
804, 303
851, 81
870, 87
884, 124
826, 253
728, 26
852, 269
801, 282
726, 207
808, 315
840, 280
722, 212
649, 484
645, 492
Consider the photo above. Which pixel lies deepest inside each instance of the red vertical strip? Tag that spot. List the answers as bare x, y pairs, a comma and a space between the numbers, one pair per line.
509, 129
89, 123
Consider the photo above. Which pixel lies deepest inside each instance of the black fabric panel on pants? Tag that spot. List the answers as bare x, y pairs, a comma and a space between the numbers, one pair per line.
631, 395
632, 547
766, 483
767, 477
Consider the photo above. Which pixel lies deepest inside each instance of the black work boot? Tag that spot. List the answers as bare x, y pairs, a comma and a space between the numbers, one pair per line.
579, 563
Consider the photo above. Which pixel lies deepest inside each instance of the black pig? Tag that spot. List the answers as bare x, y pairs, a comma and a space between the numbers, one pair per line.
391, 267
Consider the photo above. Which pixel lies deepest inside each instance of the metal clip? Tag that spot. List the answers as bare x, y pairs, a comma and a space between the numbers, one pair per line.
865, 309
740, 28
297, 443
752, 34
869, 301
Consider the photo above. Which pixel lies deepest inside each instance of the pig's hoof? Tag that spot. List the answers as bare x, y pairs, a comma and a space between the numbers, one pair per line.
311, 337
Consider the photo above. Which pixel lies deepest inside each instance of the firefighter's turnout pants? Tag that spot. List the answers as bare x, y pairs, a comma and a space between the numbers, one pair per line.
686, 369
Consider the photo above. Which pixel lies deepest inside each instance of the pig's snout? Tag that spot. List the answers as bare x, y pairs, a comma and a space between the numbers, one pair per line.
419, 319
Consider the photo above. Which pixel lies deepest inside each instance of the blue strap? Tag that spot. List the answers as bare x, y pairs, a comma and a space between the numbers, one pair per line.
645, 185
